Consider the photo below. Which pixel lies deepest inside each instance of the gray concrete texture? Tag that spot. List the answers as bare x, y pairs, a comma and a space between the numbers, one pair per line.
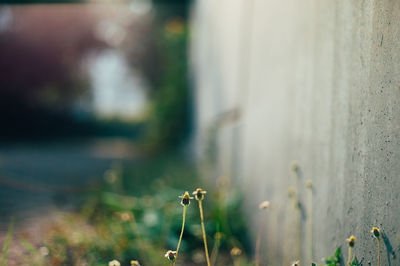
313, 81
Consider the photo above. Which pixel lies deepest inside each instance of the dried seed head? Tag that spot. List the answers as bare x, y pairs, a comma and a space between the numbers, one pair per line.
296, 263
135, 263
351, 241
44, 251
291, 192
114, 263
199, 194
309, 184
376, 232
264, 205
126, 216
185, 198
218, 235
171, 255
294, 167
236, 251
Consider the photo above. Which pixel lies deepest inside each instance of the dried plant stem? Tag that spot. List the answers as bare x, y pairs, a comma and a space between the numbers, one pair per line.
180, 237
298, 227
310, 229
204, 232
349, 257
258, 243
379, 251
295, 174
214, 251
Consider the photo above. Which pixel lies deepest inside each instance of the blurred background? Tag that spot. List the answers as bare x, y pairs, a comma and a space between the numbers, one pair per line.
95, 147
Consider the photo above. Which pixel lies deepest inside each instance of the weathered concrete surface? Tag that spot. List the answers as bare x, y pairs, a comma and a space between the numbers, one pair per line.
313, 81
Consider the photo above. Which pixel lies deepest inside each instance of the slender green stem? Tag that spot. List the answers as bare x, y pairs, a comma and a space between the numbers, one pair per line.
180, 237
310, 229
298, 227
258, 243
379, 251
204, 233
214, 251
349, 257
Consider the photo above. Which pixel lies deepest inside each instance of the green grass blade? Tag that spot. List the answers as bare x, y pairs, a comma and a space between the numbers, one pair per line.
29, 247
7, 243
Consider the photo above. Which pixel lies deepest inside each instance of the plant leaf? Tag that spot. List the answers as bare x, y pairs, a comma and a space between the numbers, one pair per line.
7, 243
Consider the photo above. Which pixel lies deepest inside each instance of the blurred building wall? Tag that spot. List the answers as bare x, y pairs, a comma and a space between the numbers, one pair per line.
313, 81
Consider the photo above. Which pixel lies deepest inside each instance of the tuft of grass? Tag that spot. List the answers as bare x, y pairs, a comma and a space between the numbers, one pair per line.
335, 260
7, 243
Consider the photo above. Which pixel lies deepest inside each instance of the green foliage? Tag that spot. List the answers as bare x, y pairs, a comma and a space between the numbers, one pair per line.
335, 260
7, 243
168, 122
355, 262
137, 215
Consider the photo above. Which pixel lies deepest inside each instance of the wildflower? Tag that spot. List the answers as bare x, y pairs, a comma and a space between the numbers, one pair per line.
170, 255
135, 263
114, 263
376, 232
185, 198
126, 216
236, 251
199, 194
44, 251
185, 202
351, 241
175, 26
264, 205
309, 184
218, 235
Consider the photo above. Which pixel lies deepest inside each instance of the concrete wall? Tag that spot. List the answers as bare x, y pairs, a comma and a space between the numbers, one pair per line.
313, 81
